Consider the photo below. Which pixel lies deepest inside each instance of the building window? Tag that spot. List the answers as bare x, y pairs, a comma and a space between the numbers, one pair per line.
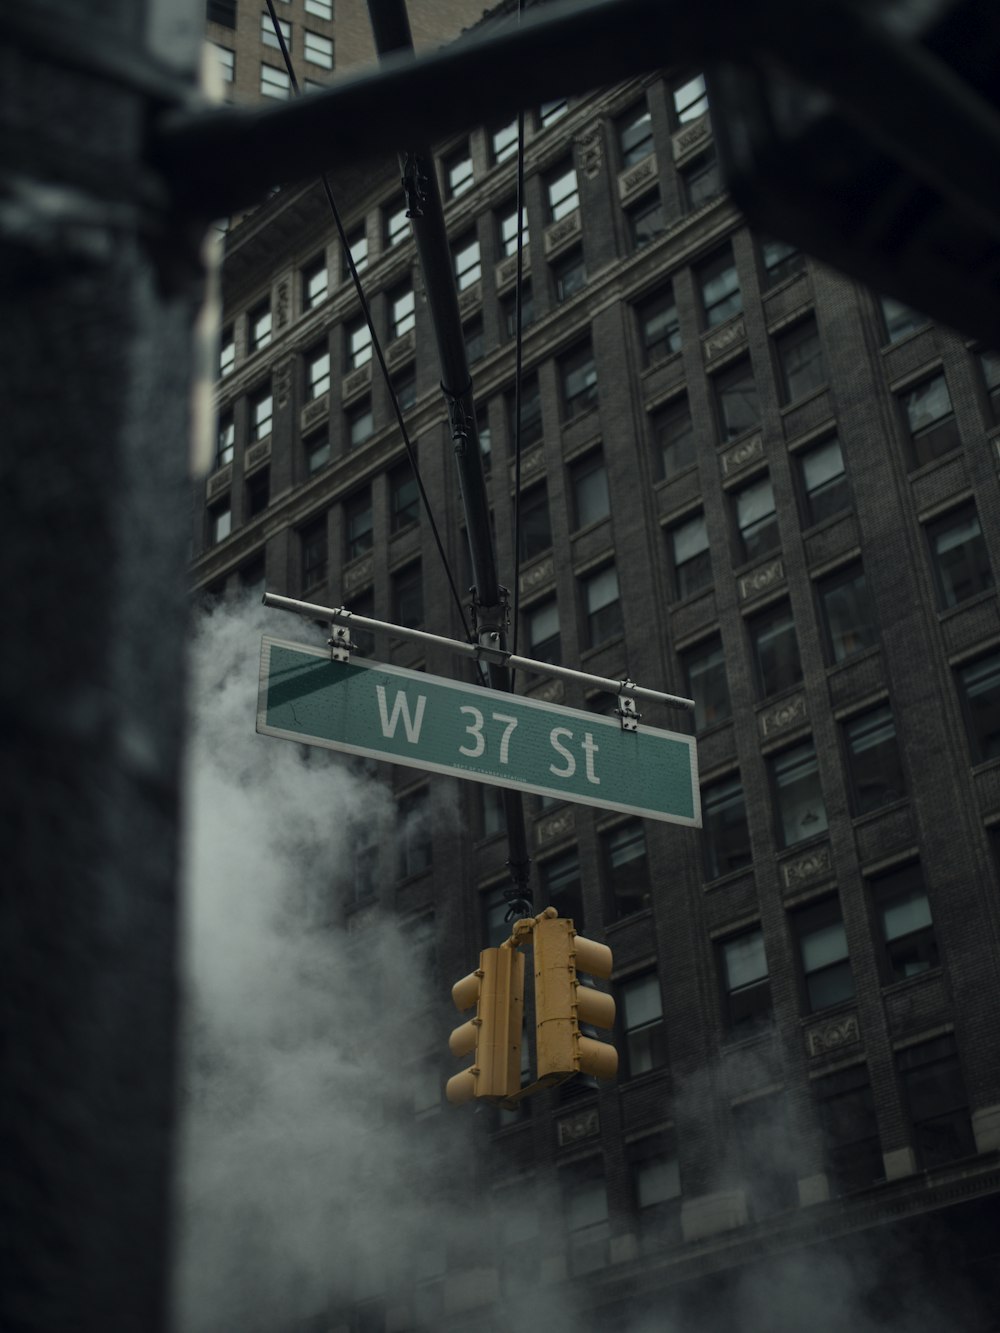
777, 664
408, 596
781, 261
314, 283
259, 321
363, 604
274, 82
585, 1208
690, 99
269, 37
700, 180
457, 172
404, 497
549, 112
659, 326
704, 669
490, 819
559, 879
932, 426
852, 1151
543, 632
357, 247
961, 562
846, 613
725, 835
720, 288
261, 408
508, 310
736, 404
642, 1024
313, 543
358, 524
475, 339
317, 373
589, 482
258, 492
692, 559
989, 364
504, 141
979, 690
635, 134
404, 387
801, 359
873, 760
317, 450
646, 221
465, 256
798, 796
319, 49
761, 1135
395, 224
321, 9
899, 319
227, 352
746, 987
360, 423
531, 411
935, 1097
656, 1188
578, 375
485, 437
569, 274
507, 228
413, 826
225, 439
562, 193
359, 344
673, 433
904, 917
626, 869
756, 521
822, 942
824, 483
402, 307
227, 61
534, 526
220, 523
602, 606
222, 12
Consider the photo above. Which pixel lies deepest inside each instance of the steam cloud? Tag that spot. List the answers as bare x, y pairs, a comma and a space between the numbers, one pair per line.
298, 1191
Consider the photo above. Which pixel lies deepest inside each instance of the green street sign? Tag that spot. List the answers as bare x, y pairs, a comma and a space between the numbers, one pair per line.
445, 726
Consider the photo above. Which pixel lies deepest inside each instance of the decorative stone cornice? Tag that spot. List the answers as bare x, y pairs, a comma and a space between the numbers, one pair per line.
761, 579
314, 412
633, 180
219, 481
789, 713
357, 574
585, 1124
505, 273
833, 1035
814, 865
590, 149
401, 348
691, 137
728, 336
356, 382
535, 576
561, 233
557, 825
282, 381
257, 454
742, 455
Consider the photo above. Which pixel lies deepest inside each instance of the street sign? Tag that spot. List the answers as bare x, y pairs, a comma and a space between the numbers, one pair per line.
445, 726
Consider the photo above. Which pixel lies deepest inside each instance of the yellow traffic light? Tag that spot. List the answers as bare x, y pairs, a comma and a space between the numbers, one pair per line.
562, 1002
496, 988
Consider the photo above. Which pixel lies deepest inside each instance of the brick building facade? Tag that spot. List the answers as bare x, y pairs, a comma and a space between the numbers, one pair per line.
744, 477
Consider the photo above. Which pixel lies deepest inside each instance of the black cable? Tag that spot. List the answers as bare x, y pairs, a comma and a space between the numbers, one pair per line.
376, 345
518, 344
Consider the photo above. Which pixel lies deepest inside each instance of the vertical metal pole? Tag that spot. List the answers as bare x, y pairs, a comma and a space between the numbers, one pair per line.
98, 291
391, 30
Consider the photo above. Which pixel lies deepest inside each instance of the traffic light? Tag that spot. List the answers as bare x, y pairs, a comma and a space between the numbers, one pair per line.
562, 1002
496, 988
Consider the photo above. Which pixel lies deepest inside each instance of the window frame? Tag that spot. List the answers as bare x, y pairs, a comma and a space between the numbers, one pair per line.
581, 471
865, 632
567, 201
940, 436
788, 344
823, 914
638, 1060
901, 885
354, 416
697, 567
605, 622
763, 629
617, 883
714, 268
578, 364
707, 651
980, 570
852, 731
981, 748
721, 795
657, 312
317, 49
797, 764
747, 1007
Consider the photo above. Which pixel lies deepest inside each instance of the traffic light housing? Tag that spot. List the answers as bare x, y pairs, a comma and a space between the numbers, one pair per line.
496, 988
563, 1002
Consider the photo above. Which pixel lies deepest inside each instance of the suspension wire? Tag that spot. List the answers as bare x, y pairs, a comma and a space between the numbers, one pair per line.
376, 344
518, 346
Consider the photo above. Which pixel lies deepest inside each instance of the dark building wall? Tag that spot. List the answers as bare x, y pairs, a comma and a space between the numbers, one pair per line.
741, 1112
